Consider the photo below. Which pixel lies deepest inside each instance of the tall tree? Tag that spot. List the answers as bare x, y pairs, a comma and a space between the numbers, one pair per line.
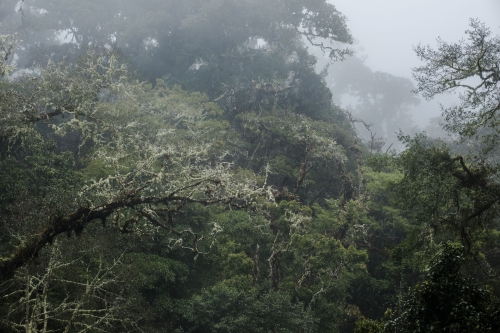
147, 153
378, 100
470, 68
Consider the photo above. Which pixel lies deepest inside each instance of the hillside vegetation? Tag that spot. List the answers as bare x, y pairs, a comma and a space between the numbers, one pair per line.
179, 166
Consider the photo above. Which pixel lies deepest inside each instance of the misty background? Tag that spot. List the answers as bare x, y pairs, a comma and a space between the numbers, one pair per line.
376, 83
188, 161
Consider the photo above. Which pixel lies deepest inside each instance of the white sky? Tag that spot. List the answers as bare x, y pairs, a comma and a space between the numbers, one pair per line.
387, 30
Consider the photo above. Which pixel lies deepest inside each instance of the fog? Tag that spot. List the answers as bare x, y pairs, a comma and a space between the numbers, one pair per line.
386, 31
249, 166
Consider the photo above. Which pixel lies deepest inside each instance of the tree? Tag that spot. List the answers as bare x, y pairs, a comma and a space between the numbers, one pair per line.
451, 192
61, 295
471, 68
300, 151
452, 197
7, 44
451, 188
175, 38
140, 147
84, 141
213, 47
240, 307
380, 100
445, 301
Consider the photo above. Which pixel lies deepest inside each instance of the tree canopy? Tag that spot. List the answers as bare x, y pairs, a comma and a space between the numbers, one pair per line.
181, 166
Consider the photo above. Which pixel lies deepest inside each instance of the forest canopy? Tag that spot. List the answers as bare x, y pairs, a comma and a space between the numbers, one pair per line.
180, 166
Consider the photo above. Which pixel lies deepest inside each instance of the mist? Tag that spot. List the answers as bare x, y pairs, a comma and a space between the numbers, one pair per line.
385, 34
226, 166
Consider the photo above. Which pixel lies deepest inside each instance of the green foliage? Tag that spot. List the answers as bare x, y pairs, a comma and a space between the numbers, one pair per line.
444, 301
234, 306
252, 206
448, 301
151, 271
451, 198
450, 195
62, 287
471, 68
36, 185
303, 155
37, 171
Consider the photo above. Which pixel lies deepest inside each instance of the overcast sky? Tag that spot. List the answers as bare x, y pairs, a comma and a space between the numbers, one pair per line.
387, 30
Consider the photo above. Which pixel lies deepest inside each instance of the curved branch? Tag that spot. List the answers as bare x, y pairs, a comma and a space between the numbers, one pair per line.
79, 219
